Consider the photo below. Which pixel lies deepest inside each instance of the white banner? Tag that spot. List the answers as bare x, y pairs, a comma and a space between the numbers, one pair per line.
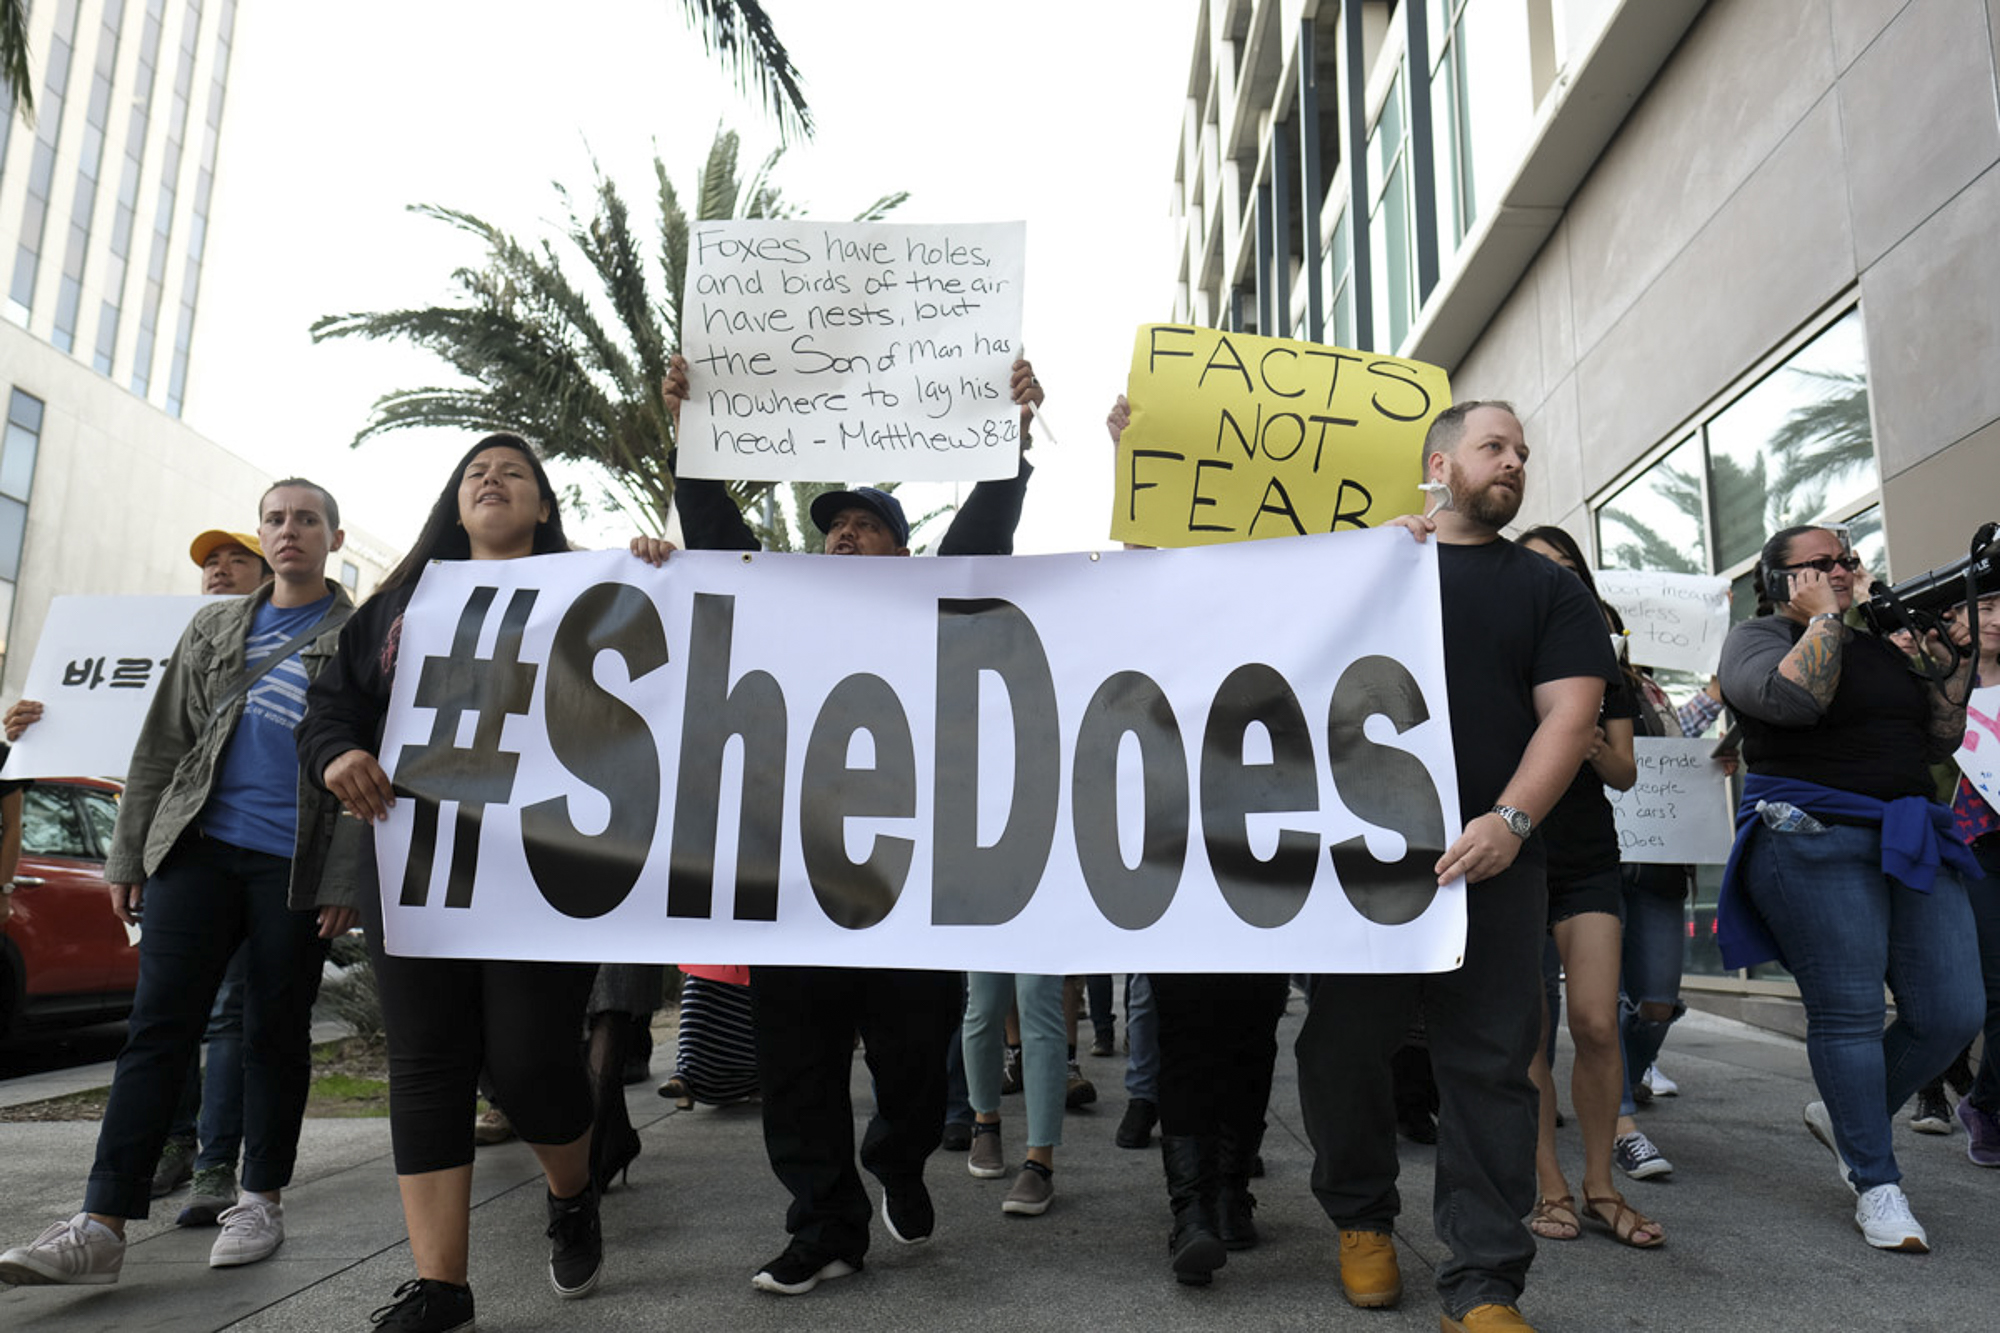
1146, 761
1678, 812
96, 667
1979, 755
1677, 622
837, 351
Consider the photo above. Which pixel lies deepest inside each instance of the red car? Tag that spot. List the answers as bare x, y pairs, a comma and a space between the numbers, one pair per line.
65, 959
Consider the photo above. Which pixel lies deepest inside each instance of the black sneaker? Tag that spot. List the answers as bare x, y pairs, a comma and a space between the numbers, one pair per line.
907, 1212
424, 1305
576, 1245
175, 1167
957, 1136
797, 1271
1010, 1071
1136, 1129
1933, 1114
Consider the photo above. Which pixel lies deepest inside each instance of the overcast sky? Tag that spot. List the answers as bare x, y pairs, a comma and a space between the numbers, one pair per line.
1065, 114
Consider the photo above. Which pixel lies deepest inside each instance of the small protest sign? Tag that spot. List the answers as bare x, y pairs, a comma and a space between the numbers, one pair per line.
1676, 622
96, 667
1235, 437
1677, 813
1978, 756
844, 351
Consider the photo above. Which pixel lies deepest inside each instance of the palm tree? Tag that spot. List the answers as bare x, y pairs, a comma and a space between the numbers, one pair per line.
740, 35
577, 374
15, 77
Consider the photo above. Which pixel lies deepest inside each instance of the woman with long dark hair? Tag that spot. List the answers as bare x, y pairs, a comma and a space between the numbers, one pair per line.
1586, 901
1844, 867
446, 1018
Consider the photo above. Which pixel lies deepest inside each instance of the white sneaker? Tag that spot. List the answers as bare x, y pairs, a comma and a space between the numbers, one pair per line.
252, 1230
1821, 1125
1659, 1084
1883, 1215
77, 1251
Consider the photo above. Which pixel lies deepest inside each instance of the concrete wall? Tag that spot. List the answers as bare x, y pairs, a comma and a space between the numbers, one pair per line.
1788, 157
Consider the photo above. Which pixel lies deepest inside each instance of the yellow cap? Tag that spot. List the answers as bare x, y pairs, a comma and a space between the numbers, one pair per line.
204, 545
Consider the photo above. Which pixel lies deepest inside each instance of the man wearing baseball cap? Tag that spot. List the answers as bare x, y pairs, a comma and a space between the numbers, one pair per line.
232, 563
806, 1018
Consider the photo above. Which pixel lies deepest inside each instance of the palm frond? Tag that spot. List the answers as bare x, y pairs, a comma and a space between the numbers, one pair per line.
16, 74
741, 34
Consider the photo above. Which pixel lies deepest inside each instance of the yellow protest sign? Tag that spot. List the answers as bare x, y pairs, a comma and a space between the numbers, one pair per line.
1236, 437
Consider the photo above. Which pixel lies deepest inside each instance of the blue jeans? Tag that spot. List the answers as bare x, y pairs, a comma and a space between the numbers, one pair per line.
208, 897
1985, 896
1044, 1048
1844, 928
1142, 1038
957, 1105
1654, 942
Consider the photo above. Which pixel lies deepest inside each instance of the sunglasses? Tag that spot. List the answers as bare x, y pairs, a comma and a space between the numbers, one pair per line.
1825, 563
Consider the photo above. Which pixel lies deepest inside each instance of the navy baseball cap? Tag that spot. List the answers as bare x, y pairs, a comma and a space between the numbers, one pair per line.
888, 508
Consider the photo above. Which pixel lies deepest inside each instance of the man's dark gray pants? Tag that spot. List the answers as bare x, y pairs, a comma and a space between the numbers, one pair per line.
1483, 1020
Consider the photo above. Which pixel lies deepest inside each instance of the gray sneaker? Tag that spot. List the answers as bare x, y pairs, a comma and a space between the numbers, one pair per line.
1636, 1156
252, 1230
176, 1164
1034, 1186
985, 1158
213, 1193
72, 1252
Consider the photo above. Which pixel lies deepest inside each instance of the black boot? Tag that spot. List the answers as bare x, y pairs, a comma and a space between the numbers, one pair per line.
1194, 1247
1234, 1201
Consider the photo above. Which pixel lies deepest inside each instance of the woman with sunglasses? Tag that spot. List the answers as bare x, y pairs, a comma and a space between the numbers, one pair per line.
1844, 869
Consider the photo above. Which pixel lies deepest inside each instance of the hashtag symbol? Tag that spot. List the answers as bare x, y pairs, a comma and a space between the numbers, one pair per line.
492, 689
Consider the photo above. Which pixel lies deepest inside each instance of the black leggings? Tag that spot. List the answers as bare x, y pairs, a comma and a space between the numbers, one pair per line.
447, 1017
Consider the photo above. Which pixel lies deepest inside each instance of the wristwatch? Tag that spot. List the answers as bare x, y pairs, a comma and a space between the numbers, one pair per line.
1824, 615
1517, 821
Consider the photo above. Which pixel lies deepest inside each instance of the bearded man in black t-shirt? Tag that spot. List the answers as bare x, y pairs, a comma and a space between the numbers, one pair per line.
1526, 661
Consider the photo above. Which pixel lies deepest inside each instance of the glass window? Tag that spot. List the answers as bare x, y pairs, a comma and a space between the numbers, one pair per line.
1339, 287
1796, 447
51, 826
1389, 224
17, 461
100, 812
1658, 520
350, 576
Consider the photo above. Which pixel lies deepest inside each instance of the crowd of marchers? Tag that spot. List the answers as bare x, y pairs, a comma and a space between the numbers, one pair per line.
244, 842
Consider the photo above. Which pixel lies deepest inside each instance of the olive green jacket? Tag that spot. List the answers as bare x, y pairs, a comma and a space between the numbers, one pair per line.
180, 748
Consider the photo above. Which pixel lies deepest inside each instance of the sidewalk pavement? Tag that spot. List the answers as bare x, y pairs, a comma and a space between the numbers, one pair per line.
1760, 1232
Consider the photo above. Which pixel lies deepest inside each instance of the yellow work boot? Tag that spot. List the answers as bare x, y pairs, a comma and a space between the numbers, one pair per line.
1488, 1319
1369, 1274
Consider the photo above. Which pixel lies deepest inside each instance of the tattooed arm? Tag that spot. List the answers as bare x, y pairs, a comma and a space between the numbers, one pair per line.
1947, 724
1814, 662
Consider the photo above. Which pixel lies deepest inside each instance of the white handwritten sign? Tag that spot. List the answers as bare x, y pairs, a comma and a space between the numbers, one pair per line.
1677, 622
1979, 756
96, 667
844, 351
1677, 813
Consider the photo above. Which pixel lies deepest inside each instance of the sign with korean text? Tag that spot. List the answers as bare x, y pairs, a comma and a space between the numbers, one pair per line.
1675, 622
95, 671
1677, 813
851, 351
1235, 437
1025, 765
1978, 756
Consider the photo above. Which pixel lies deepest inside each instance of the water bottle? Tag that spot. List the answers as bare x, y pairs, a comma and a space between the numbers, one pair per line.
1784, 817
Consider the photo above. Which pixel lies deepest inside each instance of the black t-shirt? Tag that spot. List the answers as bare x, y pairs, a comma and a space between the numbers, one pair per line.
1872, 736
1512, 621
1580, 832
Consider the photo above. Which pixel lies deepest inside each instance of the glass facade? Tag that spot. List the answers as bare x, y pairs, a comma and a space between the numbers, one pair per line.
204, 186
1389, 235
1792, 446
18, 448
42, 164
84, 201
124, 217
163, 209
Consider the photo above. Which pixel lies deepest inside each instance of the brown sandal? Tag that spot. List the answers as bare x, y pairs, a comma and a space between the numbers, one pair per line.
1557, 1214
1625, 1222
